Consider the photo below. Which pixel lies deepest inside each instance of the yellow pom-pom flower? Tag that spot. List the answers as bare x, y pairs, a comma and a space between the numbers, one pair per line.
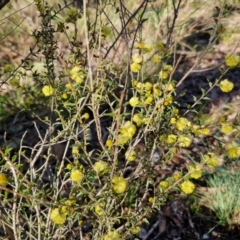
226, 128
196, 172
76, 176
163, 185
149, 100
69, 166
233, 150
77, 74
226, 86
109, 143
165, 73
157, 90
140, 87
156, 58
187, 187
137, 119
85, 116
135, 230
151, 200
168, 100
135, 67
57, 217
48, 90
101, 167
112, 235
130, 155
134, 101
137, 58
3, 180
128, 129
68, 86
184, 141
148, 86
232, 60
211, 159
171, 138
119, 184
182, 123
75, 150
99, 210
64, 96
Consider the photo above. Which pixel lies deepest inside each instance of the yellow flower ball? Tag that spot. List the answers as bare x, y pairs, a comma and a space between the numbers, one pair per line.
147, 47
171, 138
68, 86
148, 86
48, 90
109, 143
145, 120
119, 184
177, 176
226, 86
137, 119
226, 128
182, 123
157, 90
168, 100
232, 60
76, 175
134, 83
196, 172
112, 235
232, 152
137, 58
77, 74
156, 58
187, 187
123, 139
70, 202
165, 73
151, 200
184, 141
169, 87
140, 87
163, 185
57, 217
211, 159
3, 180
69, 166
75, 150
135, 230
202, 131
128, 129
101, 167
99, 210
173, 120
135, 67
64, 96
149, 100
130, 155
134, 101
86, 116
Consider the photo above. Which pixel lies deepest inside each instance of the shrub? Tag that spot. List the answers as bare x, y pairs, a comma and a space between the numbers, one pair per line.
90, 164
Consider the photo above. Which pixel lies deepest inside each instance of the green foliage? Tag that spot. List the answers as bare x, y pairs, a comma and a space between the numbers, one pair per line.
222, 196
